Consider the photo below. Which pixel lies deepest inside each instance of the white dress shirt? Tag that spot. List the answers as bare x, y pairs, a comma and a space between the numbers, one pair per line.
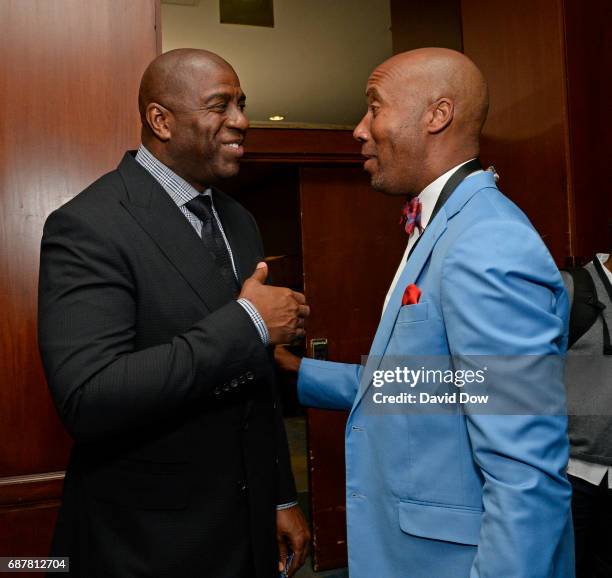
587, 471
428, 197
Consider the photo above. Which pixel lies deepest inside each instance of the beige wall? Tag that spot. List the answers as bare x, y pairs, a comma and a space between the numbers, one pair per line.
311, 67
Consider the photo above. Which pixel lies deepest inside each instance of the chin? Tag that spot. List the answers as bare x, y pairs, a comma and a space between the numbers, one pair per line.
385, 188
225, 172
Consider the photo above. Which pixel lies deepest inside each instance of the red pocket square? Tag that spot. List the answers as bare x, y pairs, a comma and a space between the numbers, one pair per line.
412, 294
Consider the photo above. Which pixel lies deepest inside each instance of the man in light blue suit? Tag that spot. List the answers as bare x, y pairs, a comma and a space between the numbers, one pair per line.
461, 493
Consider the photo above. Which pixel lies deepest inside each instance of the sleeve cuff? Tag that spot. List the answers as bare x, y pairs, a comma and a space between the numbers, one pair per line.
286, 506
257, 320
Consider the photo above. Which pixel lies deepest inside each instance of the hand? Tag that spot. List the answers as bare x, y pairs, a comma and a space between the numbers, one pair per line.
282, 310
285, 360
292, 533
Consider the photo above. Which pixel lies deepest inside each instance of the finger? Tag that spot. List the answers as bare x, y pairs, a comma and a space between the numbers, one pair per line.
305, 550
261, 272
303, 311
299, 333
300, 323
299, 550
282, 554
299, 297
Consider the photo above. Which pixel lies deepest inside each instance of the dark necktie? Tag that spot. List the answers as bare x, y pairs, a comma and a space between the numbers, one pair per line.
201, 207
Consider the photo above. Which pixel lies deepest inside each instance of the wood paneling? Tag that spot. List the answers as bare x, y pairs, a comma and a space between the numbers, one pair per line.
19, 490
519, 48
588, 38
352, 244
68, 87
422, 23
303, 146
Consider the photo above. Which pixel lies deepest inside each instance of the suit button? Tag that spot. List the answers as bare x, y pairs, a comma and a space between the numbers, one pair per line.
242, 485
250, 375
234, 383
242, 380
245, 426
217, 391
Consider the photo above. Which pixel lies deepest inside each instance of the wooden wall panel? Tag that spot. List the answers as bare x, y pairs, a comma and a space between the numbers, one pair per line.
588, 37
422, 23
519, 46
68, 87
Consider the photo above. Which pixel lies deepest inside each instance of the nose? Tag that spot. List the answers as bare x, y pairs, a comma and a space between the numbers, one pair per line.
362, 131
237, 119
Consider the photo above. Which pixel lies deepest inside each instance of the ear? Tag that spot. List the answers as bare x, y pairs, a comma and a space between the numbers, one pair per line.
159, 120
440, 115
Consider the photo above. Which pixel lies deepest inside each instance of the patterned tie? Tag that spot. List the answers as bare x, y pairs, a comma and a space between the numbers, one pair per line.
201, 207
411, 216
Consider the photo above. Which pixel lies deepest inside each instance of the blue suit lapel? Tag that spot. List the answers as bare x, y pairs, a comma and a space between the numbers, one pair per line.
464, 192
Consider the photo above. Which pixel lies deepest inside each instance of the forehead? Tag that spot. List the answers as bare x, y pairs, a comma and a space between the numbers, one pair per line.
384, 83
215, 80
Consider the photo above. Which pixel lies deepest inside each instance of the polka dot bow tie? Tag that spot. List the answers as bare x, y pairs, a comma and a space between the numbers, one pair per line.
411, 216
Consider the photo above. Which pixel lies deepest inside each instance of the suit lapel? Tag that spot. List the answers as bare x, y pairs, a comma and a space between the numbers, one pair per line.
415, 264
409, 275
163, 221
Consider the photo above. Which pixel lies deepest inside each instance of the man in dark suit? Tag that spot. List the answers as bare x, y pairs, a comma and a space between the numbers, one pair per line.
154, 324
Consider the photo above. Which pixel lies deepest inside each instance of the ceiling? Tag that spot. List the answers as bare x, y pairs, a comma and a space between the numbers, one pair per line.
311, 67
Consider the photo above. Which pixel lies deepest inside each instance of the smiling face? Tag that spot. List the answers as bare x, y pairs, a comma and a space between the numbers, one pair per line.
207, 126
393, 132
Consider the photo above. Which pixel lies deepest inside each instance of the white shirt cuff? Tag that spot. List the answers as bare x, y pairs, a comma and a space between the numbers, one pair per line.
257, 320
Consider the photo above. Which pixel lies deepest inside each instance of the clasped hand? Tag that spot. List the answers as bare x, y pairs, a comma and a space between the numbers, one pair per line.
283, 310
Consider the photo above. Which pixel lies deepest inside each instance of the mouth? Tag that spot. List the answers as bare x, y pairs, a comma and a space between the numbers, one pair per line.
235, 148
370, 160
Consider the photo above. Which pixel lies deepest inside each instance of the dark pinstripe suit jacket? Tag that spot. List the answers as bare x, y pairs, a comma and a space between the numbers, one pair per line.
180, 454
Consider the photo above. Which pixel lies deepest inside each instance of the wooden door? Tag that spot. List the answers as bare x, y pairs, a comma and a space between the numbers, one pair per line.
351, 246
68, 87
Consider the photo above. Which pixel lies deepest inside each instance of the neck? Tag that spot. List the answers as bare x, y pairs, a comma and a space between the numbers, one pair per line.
608, 263
440, 166
157, 149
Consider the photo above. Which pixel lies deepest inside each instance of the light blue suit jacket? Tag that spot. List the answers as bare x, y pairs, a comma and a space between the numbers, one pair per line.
463, 494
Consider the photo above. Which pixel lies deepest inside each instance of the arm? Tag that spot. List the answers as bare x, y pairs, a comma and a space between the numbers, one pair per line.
328, 384
501, 295
87, 316
322, 384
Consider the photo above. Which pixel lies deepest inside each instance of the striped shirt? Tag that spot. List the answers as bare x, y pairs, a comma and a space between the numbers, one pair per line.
181, 192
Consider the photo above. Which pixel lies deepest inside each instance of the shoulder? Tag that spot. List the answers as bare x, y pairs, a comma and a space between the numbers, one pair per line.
95, 202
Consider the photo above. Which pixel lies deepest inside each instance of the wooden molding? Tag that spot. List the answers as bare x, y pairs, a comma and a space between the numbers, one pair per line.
31, 488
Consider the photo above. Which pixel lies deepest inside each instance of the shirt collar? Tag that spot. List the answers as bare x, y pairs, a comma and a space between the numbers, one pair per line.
180, 191
429, 195
603, 257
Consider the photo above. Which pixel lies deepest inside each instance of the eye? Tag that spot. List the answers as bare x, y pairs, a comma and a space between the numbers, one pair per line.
219, 106
373, 108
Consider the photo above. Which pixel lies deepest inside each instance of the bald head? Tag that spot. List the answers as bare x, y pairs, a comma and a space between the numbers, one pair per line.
169, 79
426, 110
437, 73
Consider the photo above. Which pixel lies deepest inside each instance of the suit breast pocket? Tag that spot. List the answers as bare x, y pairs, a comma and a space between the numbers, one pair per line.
413, 313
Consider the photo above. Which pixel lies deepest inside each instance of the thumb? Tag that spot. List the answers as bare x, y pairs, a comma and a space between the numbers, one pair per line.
261, 272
